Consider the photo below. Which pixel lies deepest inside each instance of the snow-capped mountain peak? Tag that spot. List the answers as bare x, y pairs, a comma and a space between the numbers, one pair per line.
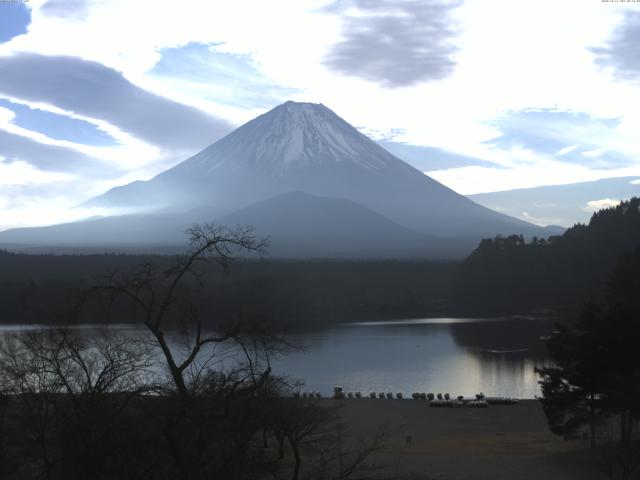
292, 136
305, 147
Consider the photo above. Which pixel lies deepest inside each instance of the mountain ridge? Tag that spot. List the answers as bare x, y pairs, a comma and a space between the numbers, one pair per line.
307, 148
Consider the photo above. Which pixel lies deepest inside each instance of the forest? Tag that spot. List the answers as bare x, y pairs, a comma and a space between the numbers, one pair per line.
295, 294
507, 275
503, 276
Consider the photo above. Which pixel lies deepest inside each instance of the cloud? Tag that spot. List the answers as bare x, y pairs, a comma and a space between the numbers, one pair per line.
595, 205
57, 126
22, 173
42, 204
76, 9
226, 78
493, 62
17, 148
594, 141
476, 179
94, 90
621, 52
395, 43
592, 153
565, 150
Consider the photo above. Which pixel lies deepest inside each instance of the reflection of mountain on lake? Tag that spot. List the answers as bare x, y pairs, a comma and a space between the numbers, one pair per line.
459, 356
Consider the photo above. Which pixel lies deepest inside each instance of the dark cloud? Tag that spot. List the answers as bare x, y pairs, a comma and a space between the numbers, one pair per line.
66, 8
621, 52
47, 157
395, 43
94, 90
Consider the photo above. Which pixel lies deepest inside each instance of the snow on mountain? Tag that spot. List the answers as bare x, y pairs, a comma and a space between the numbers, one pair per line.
308, 148
292, 136
353, 196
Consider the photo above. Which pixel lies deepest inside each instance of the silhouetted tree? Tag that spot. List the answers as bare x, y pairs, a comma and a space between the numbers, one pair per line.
573, 387
596, 371
78, 399
624, 282
161, 295
69, 393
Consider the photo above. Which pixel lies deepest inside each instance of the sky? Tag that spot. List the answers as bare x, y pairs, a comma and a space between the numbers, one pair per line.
482, 95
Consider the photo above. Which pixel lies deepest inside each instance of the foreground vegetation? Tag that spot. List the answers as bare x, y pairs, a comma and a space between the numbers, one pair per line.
194, 399
593, 385
78, 407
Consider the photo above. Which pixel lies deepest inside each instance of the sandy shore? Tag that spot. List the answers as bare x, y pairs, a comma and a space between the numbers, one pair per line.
494, 443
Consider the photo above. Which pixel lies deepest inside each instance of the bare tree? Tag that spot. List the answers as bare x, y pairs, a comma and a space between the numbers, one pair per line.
216, 366
67, 389
7, 460
159, 294
80, 395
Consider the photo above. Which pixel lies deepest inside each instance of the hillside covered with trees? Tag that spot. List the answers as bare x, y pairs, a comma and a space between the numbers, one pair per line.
511, 275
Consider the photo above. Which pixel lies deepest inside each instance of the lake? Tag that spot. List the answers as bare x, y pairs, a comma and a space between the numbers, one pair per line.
449, 355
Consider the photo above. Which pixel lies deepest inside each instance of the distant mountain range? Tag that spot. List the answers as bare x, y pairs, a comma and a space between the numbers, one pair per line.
303, 176
563, 205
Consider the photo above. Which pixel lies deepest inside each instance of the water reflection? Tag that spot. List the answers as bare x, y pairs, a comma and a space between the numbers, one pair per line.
459, 356
454, 355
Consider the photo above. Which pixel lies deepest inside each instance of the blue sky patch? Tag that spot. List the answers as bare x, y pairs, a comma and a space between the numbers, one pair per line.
427, 159
224, 78
550, 131
59, 127
14, 20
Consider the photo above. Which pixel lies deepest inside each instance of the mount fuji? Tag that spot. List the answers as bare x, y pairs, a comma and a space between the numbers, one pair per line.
305, 177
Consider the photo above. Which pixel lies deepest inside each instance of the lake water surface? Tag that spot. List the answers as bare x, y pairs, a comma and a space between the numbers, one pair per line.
448, 355
458, 356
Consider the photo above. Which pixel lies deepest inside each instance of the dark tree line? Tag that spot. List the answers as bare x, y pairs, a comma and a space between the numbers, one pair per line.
507, 275
297, 293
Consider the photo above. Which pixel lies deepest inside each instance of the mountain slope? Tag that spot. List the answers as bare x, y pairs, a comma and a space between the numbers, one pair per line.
116, 231
561, 204
308, 148
300, 224
297, 224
